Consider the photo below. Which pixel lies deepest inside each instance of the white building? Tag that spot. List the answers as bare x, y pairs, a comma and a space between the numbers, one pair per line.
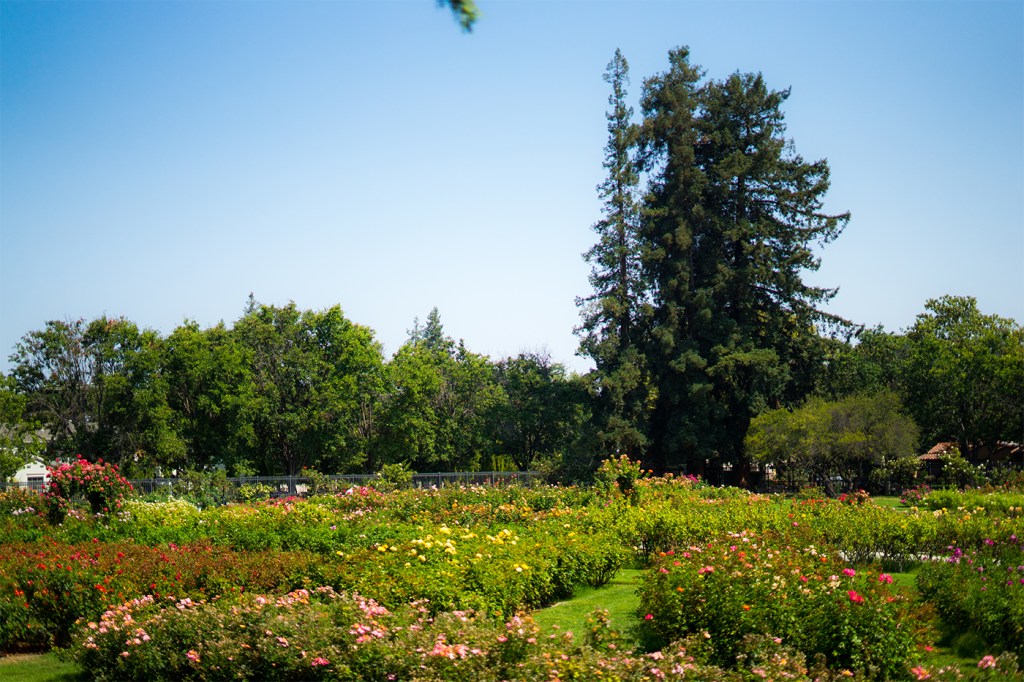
33, 475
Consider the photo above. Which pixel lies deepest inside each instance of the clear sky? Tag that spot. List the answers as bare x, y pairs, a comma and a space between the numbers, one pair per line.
161, 160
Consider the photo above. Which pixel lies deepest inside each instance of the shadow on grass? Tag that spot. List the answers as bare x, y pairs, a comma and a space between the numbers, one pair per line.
48, 667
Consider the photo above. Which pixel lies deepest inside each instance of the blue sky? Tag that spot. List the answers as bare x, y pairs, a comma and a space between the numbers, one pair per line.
160, 160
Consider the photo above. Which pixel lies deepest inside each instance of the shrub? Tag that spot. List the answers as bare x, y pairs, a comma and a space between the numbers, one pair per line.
322, 634
914, 496
100, 484
741, 585
205, 488
393, 477
980, 591
619, 473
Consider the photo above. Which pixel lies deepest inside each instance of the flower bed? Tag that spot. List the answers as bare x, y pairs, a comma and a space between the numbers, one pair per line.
743, 584
980, 591
321, 634
492, 553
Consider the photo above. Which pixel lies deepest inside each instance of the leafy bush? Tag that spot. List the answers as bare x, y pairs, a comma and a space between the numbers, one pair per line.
897, 473
154, 523
322, 634
957, 472
254, 492
741, 585
619, 473
393, 477
916, 495
205, 488
100, 484
980, 591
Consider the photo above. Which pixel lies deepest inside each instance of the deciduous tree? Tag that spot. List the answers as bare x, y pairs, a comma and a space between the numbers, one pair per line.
965, 374
833, 443
542, 410
310, 371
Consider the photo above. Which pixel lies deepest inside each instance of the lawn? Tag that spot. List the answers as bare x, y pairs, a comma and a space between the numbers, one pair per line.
46, 667
618, 597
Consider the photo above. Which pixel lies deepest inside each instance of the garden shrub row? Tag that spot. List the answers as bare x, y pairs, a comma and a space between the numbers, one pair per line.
454, 568
321, 634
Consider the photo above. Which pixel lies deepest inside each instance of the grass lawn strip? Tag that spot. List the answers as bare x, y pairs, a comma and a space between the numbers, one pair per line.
618, 597
48, 667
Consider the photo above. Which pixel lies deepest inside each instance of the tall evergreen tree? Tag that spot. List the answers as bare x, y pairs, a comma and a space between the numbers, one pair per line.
731, 216
613, 314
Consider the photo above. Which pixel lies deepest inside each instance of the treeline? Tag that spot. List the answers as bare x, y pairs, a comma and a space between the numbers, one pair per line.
283, 389
709, 348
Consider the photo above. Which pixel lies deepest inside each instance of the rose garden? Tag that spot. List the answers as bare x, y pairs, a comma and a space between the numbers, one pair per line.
443, 584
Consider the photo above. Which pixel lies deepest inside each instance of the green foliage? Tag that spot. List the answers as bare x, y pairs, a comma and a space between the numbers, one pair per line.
700, 318
833, 443
322, 634
964, 374
19, 441
741, 585
204, 488
392, 477
957, 472
435, 412
541, 411
614, 314
253, 492
315, 378
896, 474
95, 387
980, 590
620, 474
155, 523
876, 363
209, 389
434, 555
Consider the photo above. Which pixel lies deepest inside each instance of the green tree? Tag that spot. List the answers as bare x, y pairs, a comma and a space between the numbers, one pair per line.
97, 389
875, 361
542, 411
209, 387
965, 374
20, 440
731, 215
833, 443
434, 413
311, 372
613, 315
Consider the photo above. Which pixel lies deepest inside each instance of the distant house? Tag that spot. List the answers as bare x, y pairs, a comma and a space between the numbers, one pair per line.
932, 460
33, 475
1003, 453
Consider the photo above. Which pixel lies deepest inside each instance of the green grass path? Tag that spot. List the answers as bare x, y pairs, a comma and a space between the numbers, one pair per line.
618, 597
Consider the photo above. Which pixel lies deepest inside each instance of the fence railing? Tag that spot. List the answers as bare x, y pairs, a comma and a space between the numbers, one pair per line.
300, 485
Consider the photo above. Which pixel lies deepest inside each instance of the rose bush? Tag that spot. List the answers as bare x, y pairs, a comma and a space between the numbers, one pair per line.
980, 591
743, 584
99, 483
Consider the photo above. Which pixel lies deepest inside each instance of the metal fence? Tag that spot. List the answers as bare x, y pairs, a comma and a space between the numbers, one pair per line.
300, 485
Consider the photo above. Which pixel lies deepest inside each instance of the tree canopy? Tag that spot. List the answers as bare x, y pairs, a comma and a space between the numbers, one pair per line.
965, 374
719, 323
